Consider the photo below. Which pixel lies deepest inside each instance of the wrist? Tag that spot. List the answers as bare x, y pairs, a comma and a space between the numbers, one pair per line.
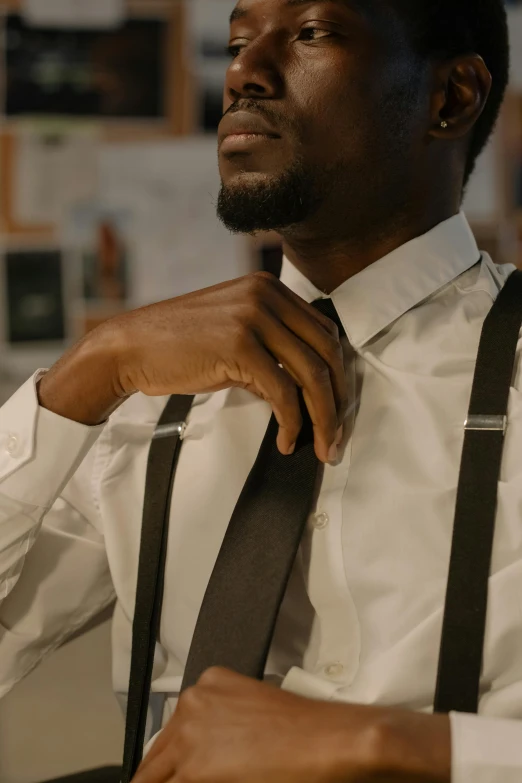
394, 745
415, 747
83, 385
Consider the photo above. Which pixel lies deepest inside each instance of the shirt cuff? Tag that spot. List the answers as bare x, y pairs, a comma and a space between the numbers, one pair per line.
148, 746
39, 450
485, 750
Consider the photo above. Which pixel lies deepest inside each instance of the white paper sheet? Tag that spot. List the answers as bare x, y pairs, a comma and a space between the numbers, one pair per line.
54, 168
74, 13
178, 243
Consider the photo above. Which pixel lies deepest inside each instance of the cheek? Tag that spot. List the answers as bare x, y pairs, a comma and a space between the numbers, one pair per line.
336, 105
367, 118
336, 126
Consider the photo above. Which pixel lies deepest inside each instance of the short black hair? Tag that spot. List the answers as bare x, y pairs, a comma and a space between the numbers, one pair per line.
448, 28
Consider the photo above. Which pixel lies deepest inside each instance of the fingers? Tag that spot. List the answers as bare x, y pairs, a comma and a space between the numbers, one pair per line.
312, 327
314, 376
275, 385
326, 343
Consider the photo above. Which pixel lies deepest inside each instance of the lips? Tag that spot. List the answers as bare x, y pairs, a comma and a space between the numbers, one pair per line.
244, 126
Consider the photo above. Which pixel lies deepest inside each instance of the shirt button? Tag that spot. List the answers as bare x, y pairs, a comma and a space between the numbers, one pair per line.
321, 521
334, 670
12, 445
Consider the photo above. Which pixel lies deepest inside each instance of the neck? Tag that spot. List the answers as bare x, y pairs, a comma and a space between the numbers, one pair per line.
328, 260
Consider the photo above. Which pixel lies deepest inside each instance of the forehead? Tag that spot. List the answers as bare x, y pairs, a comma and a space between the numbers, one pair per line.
245, 8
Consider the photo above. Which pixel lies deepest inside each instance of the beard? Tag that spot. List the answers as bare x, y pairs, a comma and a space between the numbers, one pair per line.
271, 203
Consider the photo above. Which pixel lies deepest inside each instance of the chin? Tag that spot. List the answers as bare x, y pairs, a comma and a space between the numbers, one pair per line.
248, 179
252, 201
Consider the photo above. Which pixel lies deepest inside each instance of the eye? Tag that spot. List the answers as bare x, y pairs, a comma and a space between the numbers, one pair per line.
314, 34
234, 51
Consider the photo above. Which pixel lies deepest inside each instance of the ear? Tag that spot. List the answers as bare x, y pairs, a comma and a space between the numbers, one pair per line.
461, 90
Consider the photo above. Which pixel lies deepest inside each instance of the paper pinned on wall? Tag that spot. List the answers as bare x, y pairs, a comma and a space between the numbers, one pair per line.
178, 243
74, 13
54, 168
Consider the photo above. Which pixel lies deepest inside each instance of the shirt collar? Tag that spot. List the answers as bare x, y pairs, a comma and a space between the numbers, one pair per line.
373, 299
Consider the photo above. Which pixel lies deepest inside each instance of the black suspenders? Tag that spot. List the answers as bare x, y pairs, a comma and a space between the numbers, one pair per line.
462, 645
163, 459
466, 600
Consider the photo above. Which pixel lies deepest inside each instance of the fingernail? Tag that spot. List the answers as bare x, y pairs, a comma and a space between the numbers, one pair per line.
340, 433
291, 450
332, 454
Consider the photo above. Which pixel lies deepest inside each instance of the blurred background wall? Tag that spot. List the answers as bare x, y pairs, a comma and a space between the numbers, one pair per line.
108, 180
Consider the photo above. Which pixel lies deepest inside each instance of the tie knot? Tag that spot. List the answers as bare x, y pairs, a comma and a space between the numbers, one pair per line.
327, 308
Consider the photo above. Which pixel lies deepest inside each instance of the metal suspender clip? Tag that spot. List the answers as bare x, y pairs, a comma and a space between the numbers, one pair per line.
179, 428
486, 423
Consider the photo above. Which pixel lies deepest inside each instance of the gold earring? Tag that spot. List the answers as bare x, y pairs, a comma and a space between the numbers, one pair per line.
444, 124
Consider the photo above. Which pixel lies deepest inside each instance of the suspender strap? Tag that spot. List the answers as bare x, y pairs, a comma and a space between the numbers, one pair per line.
163, 459
464, 625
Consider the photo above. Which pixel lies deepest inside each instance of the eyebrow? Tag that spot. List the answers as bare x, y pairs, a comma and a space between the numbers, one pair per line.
241, 13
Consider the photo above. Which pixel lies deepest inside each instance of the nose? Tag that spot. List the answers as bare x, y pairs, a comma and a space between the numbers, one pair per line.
255, 73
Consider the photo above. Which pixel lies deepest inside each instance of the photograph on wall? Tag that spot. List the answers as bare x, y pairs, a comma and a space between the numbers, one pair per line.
104, 267
34, 292
86, 72
98, 250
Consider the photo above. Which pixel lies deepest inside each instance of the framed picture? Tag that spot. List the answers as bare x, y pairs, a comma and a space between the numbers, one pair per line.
86, 73
35, 297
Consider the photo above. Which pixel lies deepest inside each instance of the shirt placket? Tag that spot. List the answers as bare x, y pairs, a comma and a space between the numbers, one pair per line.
339, 645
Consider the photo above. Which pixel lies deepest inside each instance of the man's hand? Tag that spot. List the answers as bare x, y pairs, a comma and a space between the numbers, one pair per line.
230, 729
252, 333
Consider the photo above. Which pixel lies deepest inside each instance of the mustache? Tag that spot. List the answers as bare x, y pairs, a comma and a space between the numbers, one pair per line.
261, 108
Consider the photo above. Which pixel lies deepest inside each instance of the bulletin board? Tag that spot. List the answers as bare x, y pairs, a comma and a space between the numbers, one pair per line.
166, 109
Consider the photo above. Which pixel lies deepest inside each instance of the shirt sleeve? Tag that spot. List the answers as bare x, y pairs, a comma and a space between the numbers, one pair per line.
485, 750
54, 575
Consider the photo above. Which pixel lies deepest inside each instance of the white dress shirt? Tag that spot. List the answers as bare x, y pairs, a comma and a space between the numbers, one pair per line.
361, 621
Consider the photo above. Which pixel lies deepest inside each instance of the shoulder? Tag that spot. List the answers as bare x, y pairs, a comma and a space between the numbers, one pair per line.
486, 277
491, 280
467, 300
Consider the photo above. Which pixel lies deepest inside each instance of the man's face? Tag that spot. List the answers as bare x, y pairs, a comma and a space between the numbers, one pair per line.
324, 103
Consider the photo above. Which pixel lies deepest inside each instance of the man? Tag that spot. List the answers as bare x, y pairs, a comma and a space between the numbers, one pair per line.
350, 127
